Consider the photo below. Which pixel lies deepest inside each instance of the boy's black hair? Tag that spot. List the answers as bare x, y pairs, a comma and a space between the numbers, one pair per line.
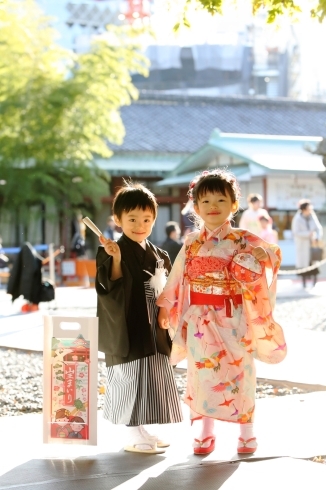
133, 195
218, 180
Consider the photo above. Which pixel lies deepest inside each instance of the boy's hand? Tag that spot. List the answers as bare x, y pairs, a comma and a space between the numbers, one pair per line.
260, 254
163, 318
111, 247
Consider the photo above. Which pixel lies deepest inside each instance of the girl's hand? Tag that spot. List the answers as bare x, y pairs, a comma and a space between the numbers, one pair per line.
163, 318
111, 247
260, 254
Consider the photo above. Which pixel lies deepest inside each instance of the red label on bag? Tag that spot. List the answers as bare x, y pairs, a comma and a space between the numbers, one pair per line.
70, 388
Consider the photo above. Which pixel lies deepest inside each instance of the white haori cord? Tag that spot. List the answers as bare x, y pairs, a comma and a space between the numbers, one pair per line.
157, 280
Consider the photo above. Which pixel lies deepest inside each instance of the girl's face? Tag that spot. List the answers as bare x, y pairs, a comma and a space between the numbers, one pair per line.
137, 224
214, 208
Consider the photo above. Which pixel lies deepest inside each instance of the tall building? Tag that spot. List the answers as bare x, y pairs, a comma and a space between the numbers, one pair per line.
236, 54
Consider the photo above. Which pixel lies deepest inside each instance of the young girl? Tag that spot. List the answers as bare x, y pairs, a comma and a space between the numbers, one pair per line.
130, 274
267, 233
219, 299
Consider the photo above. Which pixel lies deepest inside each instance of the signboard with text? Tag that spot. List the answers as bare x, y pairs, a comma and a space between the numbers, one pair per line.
286, 192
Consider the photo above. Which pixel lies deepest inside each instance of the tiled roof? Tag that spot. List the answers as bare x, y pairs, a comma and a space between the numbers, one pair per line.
163, 123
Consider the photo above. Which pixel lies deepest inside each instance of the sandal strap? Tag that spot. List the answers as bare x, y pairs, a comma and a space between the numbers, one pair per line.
152, 445
139, 440
247, 440
200, 441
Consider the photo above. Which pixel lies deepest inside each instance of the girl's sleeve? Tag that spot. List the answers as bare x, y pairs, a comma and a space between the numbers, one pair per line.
268, 342
175, 299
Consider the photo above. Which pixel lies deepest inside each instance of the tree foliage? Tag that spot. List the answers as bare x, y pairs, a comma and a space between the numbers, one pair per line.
273, 8
59, 110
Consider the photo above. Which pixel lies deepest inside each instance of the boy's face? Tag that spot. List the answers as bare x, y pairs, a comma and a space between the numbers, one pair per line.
137, 224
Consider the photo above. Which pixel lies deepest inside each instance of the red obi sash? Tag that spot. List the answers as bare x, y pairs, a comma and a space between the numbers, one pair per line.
217, 300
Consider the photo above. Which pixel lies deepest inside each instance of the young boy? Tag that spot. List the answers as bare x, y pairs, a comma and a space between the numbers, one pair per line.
130, 274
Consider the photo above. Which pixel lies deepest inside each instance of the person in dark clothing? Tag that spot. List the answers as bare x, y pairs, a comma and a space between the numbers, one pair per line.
78, 243
26, 276
109, 231
172, 244
131, 272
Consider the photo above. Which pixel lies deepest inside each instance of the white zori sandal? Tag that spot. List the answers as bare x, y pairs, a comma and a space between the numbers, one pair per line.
142, 442
159, 442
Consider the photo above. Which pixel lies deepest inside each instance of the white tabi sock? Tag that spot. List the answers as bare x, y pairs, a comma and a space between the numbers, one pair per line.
246, 431
137, 438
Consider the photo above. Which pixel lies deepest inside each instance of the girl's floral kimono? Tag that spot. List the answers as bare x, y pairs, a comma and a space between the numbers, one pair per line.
220, 302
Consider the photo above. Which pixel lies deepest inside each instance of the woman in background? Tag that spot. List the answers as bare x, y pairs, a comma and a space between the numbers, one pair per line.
306, 230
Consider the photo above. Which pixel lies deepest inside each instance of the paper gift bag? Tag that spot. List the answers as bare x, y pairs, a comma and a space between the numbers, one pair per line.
70, 366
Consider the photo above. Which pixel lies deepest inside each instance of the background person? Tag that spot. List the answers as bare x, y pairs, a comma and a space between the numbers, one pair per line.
26, 277
306, 230
267, 232
172, 244
111, 231
250, 217
78, 241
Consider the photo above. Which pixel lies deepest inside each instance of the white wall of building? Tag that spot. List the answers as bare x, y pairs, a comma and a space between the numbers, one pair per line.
284, 192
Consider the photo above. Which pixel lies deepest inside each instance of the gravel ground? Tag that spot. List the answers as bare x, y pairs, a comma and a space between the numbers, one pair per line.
308, 313
21, 371
21, 383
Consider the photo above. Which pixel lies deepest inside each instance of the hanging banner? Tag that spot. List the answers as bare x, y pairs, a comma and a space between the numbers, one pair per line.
70, 360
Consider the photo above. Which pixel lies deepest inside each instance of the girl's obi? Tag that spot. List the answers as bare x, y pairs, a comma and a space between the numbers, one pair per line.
219, 293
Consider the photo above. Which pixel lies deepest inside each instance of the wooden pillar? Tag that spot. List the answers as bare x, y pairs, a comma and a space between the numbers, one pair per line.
265, 192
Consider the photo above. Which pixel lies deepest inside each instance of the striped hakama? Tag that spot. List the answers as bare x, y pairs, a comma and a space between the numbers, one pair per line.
143, 391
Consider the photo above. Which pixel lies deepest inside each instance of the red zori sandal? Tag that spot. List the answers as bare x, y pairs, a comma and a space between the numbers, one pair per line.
248, 446
201, 447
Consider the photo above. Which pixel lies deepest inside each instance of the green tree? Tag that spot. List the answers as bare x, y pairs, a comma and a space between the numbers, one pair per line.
273, 8
59, 111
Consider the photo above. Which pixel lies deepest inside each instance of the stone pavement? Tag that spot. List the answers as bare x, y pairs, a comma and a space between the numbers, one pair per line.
289, 429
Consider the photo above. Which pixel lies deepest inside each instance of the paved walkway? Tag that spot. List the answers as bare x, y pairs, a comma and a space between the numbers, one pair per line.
287, 429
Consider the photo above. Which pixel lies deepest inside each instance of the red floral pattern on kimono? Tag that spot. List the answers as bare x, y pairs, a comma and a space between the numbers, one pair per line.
220, 348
